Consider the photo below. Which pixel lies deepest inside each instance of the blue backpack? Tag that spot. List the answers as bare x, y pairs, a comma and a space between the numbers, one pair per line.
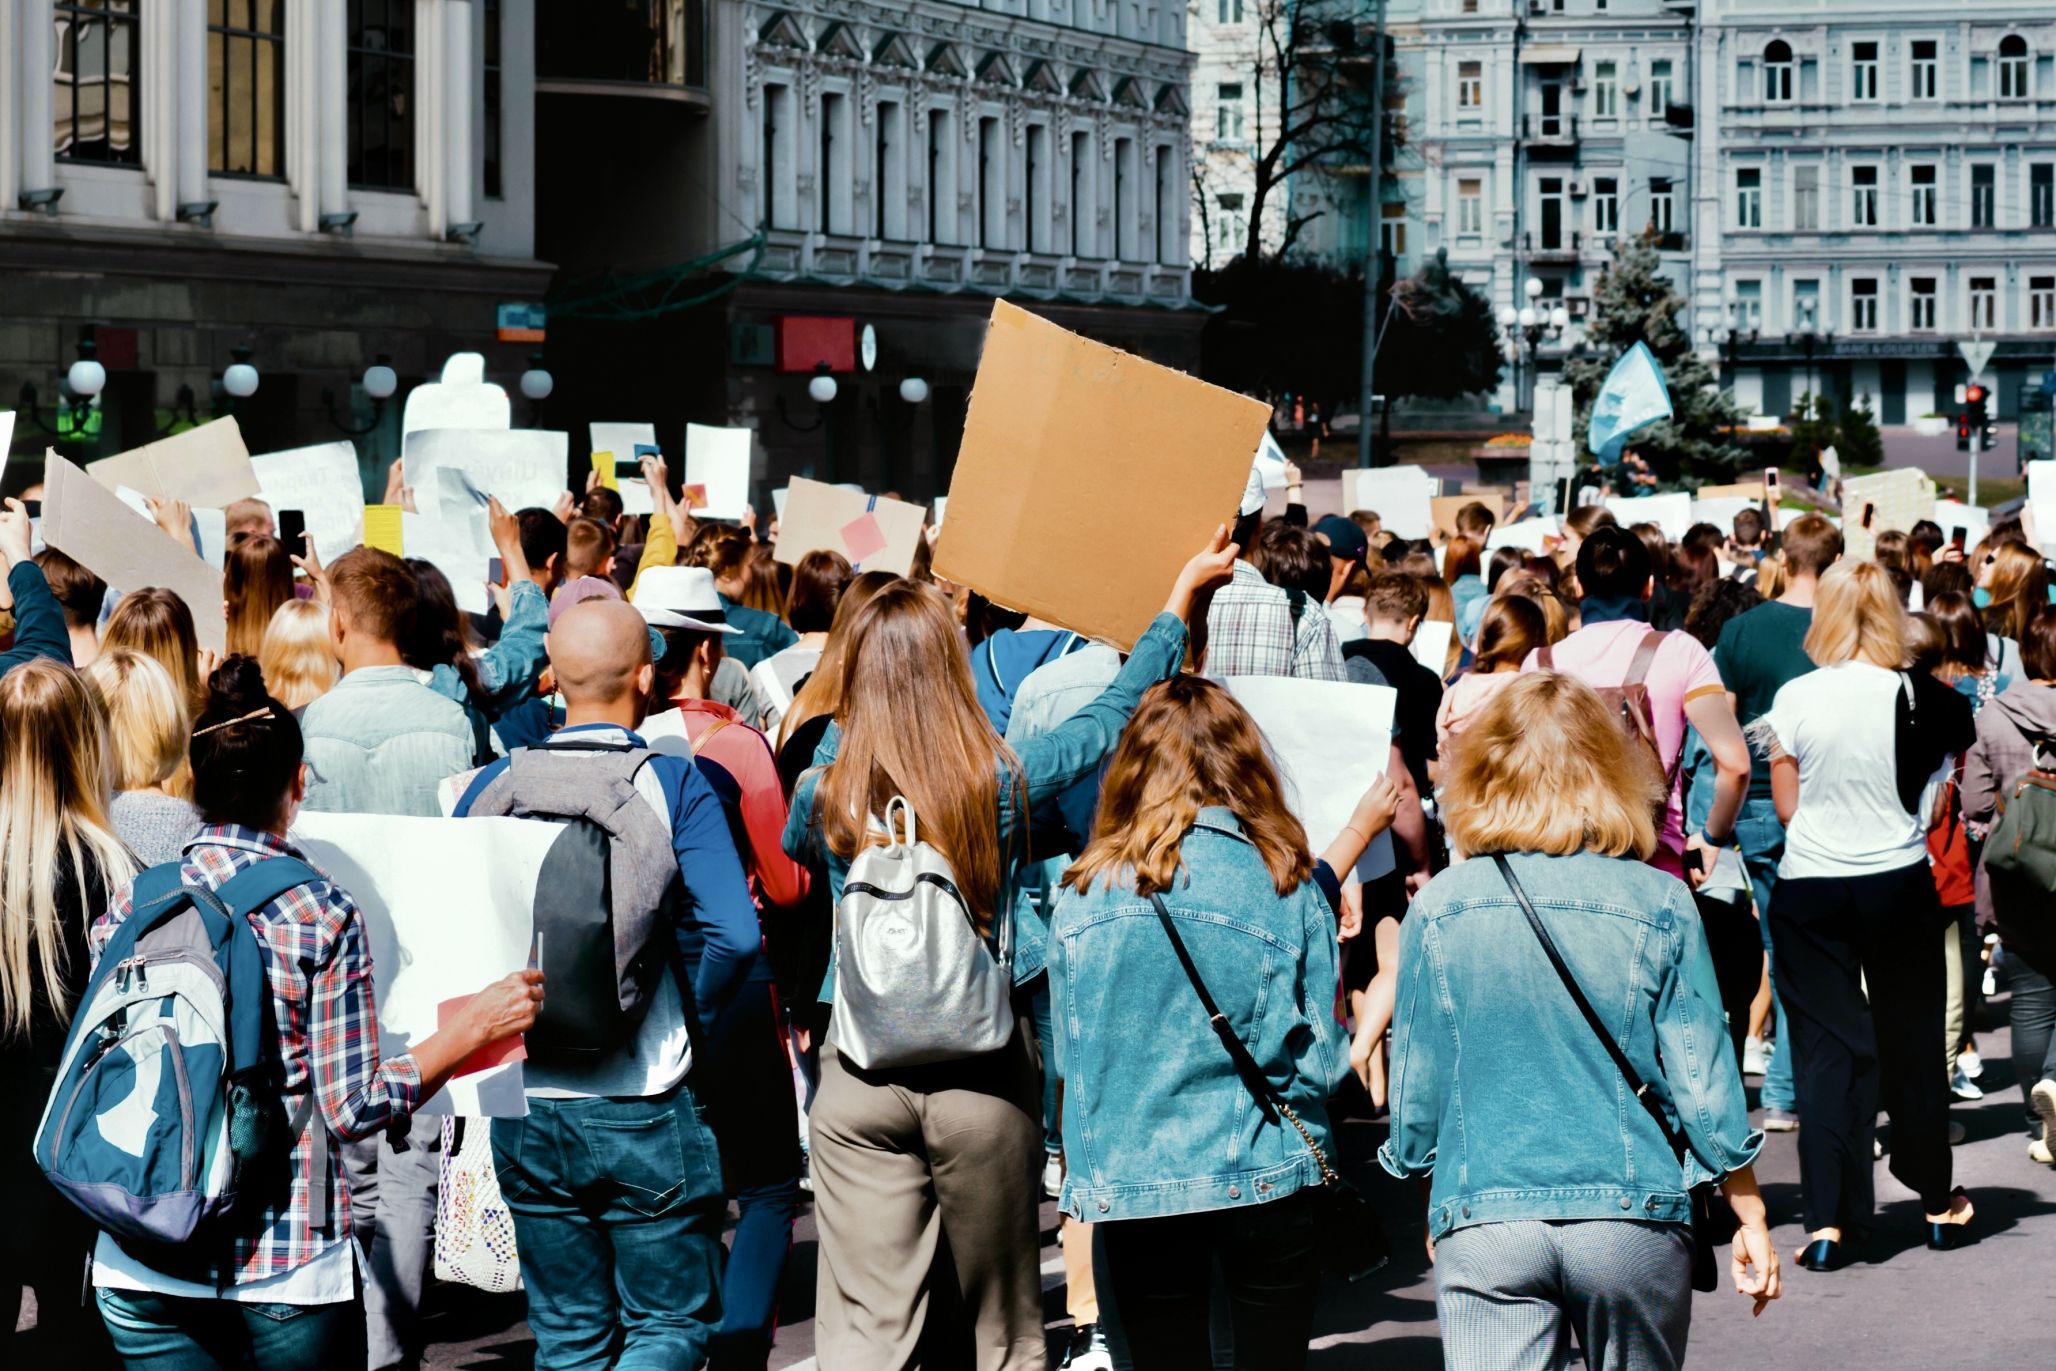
168, 1122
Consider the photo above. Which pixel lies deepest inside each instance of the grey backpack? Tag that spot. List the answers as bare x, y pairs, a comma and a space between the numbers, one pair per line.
605, 898
914, 979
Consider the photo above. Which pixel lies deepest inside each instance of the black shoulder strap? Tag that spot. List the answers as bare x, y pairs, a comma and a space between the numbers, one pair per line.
1245, 1065
1599, 1030
1296, 600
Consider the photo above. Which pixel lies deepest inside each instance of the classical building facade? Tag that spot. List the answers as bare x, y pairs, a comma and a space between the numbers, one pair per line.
322, 184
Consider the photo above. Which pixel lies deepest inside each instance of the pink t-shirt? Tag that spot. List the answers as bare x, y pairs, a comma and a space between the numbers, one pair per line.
1682, 672
1466, 696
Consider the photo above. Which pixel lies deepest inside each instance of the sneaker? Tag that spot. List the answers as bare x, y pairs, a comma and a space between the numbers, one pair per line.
1780, 1121
2043, 1098
1991, 981
1969, 1063
1956, 1134
2038, 1151
1962, 1086
1088, 1350
1053, 1174
1755, 1057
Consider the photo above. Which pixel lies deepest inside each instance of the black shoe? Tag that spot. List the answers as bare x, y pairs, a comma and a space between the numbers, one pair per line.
1947, 1237
1825, 1254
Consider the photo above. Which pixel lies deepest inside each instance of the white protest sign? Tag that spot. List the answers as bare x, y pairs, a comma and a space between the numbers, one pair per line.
941, 507
1431, 644
210, 535
778, 501
1974, 520
448, 908
2041, 500
1329, 738
1399, 496
1672, 513
1721, 512
1790, 514
1270, 462
717, 471
6, 437
1881, 502
525, 467
324, 483
613, 455
1529, 535
460, 398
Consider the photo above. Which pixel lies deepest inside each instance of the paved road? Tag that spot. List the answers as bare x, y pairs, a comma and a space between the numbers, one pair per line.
1992, 1304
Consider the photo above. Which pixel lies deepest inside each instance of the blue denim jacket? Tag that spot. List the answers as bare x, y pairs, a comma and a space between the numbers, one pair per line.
507, 671
1156, 1119
1499, 1086
1050, 765
380, 742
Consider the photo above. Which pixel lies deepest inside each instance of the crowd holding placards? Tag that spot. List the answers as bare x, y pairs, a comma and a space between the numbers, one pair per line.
877, 895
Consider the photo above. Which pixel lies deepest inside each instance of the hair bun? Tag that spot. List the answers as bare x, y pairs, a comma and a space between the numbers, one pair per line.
236, 687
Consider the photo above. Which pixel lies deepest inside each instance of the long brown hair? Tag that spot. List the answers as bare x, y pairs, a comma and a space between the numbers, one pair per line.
156, 622
2020, 586
256, 578
912, 726
822, 693
1191, 744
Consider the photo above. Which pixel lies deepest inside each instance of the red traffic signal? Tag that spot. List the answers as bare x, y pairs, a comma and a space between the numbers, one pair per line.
1974, 394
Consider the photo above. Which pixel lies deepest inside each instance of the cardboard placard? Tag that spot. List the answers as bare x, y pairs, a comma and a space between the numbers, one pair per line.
616, 443
875, 533
1741, 490
1442, 510
1088, 477
324, 483
1896, 500
88, 523
525, 467
207, 465
1401, 497
1672, 513
718, 461
1721, 511
1329, 738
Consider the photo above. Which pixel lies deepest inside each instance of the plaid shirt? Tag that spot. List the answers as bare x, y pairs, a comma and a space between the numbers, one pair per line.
1249, 632
320, 970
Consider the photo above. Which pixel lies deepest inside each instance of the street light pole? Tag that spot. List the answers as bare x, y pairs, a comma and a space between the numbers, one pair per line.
1373, 272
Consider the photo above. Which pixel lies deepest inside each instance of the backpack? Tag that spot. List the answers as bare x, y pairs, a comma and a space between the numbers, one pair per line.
168, 1120
915, 981
608, 888
1630, 704
2020, 854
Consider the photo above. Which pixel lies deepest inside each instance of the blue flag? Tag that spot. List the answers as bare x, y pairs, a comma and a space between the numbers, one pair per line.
1633, 398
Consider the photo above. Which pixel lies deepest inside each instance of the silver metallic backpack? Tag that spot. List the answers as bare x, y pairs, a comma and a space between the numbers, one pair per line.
915, 982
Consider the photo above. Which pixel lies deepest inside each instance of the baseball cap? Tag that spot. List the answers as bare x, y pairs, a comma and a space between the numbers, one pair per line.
1343, 537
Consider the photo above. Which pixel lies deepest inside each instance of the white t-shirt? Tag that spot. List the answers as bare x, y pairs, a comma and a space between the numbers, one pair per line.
1839, 723
330, 1278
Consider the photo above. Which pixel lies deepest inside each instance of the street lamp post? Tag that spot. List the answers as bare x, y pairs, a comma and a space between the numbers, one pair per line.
1531, 323
1808, 337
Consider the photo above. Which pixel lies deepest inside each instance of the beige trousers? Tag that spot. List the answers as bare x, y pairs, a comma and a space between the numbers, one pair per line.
902, 1160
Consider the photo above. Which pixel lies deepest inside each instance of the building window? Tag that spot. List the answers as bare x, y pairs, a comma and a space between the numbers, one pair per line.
489, 88
1924, 71
889, 173
1777, 73
1921, 304
1863, 71
96, 97
1606, 205
381, 94
1749, 305
1863, 306
1662, 208
942, 179
2013, 67
1124, 199
246, 87
1923, 180
1748, 198
2041, 303
1083, 199
832, 172
1606, 90
1984, 302
1983, 194
1806, 199
781, 176
2041, 195
992, 192
1659, 87
1228, 117
1863, 189
1230, 11
1234, 221
1166, 196
1470, 85
1470, 208
1037, 186
1392, 231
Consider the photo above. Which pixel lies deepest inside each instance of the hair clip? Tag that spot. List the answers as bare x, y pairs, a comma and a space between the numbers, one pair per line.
253, 715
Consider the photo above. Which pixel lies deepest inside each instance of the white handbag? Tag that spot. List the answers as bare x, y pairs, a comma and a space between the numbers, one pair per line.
474, 1230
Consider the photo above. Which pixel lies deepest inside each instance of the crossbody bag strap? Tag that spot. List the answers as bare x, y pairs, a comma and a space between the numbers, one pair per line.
1599, 1030
1253, 1078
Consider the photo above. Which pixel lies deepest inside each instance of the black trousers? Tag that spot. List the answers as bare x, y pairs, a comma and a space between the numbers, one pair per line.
1737, 946
1832, 937
1161, 1272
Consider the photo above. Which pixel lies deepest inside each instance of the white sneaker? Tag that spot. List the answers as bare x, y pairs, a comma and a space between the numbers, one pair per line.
1969, 1063
1755, 1057
1053, 1174
1089, 1350
1963, 1087
1991, 982
2043, 1097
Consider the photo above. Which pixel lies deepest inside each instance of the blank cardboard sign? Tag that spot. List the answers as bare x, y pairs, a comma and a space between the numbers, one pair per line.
1088, 477
875, 533
1443, 508
208, 465
89, 524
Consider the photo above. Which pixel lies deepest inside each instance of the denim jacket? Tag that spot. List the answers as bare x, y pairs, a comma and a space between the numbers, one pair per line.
380, 742
1499, 1086
1156, 1119
1050, 764
507, 671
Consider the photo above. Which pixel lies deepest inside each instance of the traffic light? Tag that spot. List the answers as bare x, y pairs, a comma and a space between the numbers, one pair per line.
1976, 397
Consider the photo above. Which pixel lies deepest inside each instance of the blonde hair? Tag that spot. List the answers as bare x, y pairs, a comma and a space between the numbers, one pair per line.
53, 751
148, 726
1857, 612
297, 657
1547, 767
156, 622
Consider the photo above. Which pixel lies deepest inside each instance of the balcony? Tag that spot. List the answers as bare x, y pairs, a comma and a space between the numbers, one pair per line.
1549, 130
650, 49
1562, 247
1673, 242
1678, 116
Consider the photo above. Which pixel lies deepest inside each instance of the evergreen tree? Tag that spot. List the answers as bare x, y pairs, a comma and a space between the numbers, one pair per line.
1861, 445
1441, 342
1813, 428
1635, 303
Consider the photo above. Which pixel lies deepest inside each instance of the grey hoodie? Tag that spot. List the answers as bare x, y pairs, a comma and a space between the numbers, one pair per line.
1996, 760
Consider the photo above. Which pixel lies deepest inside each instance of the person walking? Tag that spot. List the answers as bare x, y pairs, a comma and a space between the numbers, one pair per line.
1177, 1166
1570, 1223
1856, 928
902, 1155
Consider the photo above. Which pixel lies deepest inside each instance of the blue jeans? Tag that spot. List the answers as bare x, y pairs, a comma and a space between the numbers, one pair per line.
166, 1333
1762, 839
617, 1209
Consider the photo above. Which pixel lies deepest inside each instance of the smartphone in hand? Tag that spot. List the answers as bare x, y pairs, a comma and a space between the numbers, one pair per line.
292, 530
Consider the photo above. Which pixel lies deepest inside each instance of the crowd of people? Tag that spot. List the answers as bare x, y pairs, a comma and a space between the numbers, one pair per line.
1731, 789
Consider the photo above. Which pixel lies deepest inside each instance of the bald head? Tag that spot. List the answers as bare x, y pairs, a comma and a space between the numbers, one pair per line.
600, 651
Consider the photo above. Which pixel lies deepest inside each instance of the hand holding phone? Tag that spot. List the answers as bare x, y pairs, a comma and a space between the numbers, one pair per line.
1957, 537
292, 529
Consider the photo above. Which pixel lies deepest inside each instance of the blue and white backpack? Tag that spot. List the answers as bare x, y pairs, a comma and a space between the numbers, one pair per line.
168, 1118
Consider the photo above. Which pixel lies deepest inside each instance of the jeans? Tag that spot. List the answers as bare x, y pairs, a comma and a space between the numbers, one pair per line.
1046, 1041
1159, 1273
165, 1333
1762, 839
617, 1209
392, 1201
2034, 1025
